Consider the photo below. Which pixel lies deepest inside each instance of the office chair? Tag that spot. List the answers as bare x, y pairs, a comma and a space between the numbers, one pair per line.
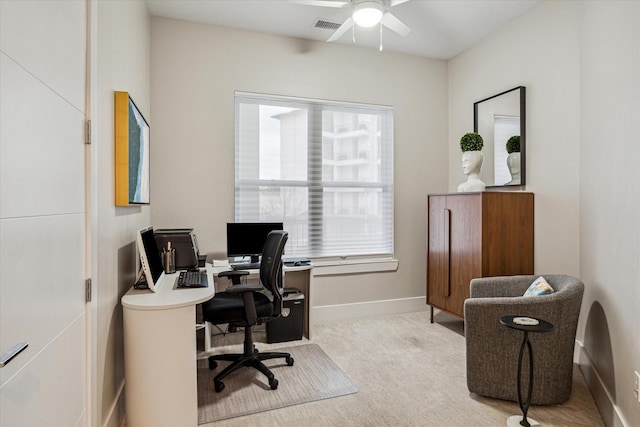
243, 305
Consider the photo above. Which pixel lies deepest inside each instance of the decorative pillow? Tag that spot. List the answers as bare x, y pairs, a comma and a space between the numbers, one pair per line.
539, 287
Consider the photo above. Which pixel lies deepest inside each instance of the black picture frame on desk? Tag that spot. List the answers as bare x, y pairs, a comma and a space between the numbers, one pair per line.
184, 241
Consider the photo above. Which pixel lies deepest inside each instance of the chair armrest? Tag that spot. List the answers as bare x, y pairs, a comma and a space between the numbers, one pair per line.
561, 309
233, 273
480, 309
245, 287
502, 286
247, 290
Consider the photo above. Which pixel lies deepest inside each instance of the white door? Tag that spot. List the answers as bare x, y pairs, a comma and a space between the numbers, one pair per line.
42, 212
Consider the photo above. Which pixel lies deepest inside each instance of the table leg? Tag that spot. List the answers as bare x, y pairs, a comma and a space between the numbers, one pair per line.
524, 406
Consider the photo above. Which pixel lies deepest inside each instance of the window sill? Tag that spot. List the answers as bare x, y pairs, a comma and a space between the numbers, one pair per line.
357, 266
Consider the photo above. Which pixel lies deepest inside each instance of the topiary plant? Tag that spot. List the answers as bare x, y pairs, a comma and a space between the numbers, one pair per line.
471, 142
513, 144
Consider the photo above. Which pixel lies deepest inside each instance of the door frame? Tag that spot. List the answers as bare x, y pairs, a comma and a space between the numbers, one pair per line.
91, 218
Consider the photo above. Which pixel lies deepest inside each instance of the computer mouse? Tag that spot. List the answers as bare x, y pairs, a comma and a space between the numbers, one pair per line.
297, 264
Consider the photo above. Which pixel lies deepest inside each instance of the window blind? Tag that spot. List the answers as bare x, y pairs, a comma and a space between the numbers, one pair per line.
324, 169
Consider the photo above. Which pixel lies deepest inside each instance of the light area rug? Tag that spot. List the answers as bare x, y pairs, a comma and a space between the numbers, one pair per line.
410, 373
313, 376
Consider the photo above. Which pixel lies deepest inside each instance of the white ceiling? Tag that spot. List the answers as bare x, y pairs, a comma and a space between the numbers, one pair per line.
439, 28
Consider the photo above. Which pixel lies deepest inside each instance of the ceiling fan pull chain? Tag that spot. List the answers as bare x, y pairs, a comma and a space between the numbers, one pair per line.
353, 34
380, 37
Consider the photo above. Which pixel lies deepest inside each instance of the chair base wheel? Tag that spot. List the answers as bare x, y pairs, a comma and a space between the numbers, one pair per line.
219, 386
212, 364
273, 384
289, 361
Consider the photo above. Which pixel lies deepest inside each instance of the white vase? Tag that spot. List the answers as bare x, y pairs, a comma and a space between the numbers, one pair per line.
513, 163
471, 166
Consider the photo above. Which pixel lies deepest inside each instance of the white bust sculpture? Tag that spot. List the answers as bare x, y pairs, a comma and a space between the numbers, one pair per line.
513, 163
471, 165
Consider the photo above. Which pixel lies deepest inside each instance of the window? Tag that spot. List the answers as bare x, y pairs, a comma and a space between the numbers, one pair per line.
324, 169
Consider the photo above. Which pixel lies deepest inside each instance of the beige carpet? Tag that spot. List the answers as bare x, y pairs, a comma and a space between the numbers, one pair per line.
410, 373
313, 376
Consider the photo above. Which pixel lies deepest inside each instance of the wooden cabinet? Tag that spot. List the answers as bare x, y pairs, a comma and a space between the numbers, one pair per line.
473, 235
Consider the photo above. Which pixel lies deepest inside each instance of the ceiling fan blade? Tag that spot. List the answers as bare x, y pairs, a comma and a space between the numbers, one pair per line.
346, 25
397, 2
395, 25
322, 3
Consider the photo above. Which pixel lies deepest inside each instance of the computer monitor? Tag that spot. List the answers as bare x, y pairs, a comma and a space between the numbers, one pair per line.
149, 257
247, 238
183, 240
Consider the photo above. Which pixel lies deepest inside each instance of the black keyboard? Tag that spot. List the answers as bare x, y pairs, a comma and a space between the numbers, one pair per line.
192, 279
246, 266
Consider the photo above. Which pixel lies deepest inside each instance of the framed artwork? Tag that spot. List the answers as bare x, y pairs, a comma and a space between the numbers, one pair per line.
131, 154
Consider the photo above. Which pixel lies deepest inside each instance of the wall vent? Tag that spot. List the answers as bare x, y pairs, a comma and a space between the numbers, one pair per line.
326, 25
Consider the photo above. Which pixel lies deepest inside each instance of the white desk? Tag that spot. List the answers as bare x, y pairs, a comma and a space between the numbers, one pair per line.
160, 347
160, 353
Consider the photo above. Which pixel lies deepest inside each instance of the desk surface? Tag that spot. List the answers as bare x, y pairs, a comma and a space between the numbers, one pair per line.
168, 295
218, 270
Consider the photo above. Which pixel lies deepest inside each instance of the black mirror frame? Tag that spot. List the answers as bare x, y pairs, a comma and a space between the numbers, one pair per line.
523, 138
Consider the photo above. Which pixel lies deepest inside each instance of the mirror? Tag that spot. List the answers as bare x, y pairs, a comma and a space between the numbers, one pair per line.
497, 119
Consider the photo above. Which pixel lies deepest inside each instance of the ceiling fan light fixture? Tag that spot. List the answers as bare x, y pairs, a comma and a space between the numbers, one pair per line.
368, 13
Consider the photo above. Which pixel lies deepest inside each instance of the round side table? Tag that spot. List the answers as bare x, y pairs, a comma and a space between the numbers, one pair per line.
525, 324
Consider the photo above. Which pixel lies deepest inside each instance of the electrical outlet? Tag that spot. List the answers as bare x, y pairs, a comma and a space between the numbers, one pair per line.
636, 386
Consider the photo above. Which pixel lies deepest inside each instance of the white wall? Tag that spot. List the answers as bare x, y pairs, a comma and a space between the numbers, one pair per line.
196, 68
572, 113
580, 62
123, 65
609, 204
546, 62
195, 71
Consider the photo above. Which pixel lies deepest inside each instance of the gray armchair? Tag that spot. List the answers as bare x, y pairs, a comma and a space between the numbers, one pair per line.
492, 349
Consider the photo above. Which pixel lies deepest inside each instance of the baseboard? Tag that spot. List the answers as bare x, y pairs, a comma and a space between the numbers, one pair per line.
112, 418
609, 411
359, 310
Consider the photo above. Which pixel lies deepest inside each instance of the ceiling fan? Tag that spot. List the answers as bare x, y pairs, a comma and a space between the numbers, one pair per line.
365, 13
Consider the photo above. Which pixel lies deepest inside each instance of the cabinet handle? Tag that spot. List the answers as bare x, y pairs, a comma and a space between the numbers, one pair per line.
11, 353
447, 248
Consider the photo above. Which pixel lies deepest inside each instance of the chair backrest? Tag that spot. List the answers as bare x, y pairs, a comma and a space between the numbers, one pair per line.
271, 266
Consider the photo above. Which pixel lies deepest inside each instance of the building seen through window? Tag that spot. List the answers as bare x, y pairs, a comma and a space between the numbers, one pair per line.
325, 170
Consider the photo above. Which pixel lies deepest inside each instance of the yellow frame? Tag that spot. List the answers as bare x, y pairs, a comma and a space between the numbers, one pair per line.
123, 170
